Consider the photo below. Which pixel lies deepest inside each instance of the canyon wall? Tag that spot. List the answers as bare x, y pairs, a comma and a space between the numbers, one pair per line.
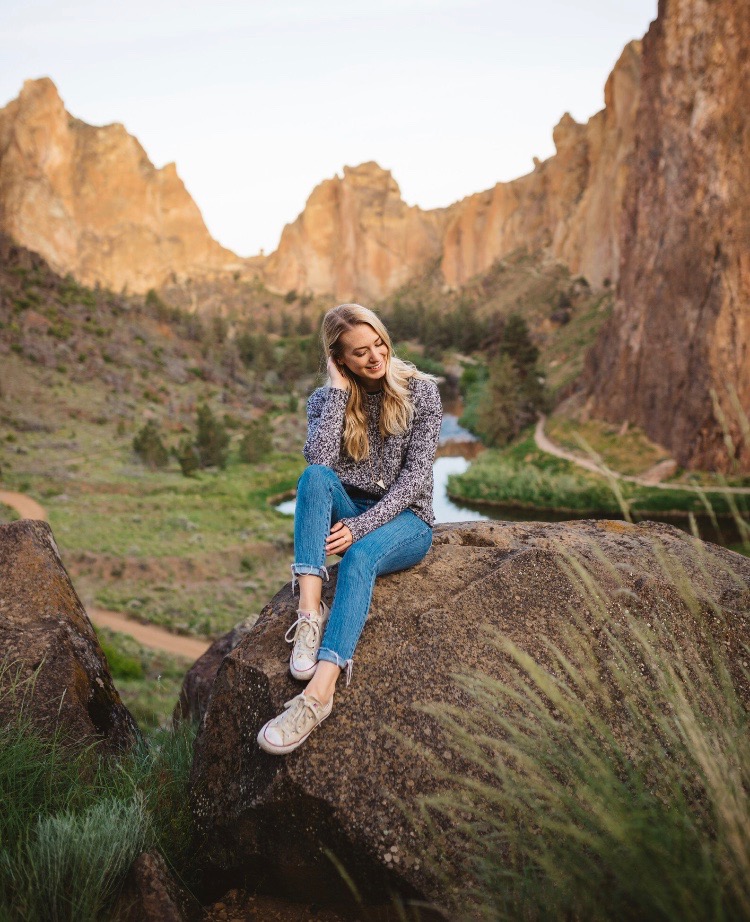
90, 201
356, 239
674, 357
570, 205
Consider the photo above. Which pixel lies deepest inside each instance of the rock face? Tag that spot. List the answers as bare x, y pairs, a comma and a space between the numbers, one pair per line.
45, 629
340, 791
198, 681
570, 205
355, 239
89, 200
151, 894
681, 324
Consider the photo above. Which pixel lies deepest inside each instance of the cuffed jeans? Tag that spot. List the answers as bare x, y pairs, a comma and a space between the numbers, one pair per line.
401, 543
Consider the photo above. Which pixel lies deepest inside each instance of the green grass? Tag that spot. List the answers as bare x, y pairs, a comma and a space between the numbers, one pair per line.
7, 514
609, 777
630, 453
522, 475
73, 821
149, 681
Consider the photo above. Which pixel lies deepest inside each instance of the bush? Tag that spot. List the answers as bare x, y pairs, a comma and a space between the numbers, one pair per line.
212, 439
187, 456
120, 664
257, 442
72, 864
150, 448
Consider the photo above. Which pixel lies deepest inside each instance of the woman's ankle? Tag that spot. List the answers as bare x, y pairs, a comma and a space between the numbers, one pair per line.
323, 684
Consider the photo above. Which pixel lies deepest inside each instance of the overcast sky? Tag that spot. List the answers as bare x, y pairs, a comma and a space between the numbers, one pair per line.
258, 102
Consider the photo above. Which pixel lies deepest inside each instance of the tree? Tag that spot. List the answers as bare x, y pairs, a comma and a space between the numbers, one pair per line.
150, 448
187, 456
257, 442
212, 439
516, 344
497, 409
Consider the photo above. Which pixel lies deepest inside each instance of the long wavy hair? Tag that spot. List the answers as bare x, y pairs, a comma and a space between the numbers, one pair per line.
397, 411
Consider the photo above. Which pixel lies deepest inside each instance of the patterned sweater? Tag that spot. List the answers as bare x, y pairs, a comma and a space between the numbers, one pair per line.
402, 462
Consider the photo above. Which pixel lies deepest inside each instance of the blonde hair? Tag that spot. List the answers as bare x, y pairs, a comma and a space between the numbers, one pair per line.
397, 410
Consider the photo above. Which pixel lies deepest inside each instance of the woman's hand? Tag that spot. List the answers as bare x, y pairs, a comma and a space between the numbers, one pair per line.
339, 539
338, 378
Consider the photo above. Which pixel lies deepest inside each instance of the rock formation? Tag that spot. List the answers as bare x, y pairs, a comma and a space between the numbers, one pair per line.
152, 894
570, 205
355, 239
50, 651
90, 201
198, 681
277, 816
681, 324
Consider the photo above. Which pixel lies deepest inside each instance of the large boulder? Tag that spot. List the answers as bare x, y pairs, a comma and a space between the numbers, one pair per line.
51, 655
199, 679
337, 801
152, 894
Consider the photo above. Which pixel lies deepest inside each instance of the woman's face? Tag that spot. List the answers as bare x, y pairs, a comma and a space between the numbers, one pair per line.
364, 353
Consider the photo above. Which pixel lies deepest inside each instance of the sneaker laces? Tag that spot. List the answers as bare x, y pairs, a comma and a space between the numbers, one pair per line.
297, 715
307, 632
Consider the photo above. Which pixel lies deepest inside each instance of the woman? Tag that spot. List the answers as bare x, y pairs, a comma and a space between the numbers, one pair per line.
366, 496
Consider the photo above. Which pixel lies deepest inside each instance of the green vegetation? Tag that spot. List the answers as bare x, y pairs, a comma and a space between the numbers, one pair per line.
211, 440
609, 776
522, 475
257, 442
7, 514
506, 396
73, 821
149, 681
150, 448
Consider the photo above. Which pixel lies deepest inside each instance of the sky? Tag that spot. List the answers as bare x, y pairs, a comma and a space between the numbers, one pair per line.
257, 103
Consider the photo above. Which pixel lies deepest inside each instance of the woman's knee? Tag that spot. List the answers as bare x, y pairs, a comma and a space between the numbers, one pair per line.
315, 475
357, 559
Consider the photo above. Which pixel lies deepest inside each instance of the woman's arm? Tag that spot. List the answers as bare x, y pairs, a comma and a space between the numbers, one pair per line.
416, 471
325, 425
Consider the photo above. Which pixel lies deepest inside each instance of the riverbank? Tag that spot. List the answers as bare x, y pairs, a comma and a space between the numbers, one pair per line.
524, 476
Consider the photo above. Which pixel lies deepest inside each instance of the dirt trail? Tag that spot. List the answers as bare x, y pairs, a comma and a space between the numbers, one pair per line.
543, 443
156, 638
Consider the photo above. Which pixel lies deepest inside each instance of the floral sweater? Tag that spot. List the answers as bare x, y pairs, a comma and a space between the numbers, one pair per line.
402, 462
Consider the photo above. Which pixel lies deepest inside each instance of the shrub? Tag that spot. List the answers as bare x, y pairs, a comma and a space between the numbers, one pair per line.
121, 665
73, 864
73, 821
257, 442
212, 439
150, 448
187, 456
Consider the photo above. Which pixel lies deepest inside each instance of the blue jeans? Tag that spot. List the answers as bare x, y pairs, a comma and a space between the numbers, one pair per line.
400, 543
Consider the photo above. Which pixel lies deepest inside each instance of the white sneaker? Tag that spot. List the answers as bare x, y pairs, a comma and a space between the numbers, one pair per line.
294, 724
307, 637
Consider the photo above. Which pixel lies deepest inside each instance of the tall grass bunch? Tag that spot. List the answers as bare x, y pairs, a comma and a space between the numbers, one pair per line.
612, 782
74, 819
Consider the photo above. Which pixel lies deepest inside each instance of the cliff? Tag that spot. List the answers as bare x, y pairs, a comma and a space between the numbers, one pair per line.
674, 357
570, 205
90, 201
356, 238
